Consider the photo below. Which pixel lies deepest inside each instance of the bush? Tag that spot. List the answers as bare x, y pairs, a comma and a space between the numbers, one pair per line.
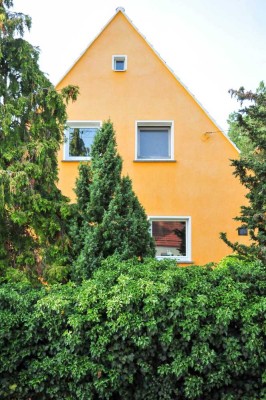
138, 331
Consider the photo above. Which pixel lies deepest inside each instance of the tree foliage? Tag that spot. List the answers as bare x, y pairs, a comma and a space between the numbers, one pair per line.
108, 218
237, 135
32, 119
79, 224
250, 168
125, 226
138, 331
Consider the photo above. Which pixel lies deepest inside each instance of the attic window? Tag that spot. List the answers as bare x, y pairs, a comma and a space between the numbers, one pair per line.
119, 63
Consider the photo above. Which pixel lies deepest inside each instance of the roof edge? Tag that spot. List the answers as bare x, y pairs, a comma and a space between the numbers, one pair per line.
183, 84
118, 10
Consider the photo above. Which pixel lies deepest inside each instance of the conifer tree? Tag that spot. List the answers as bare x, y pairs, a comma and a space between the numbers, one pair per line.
250, 168
32, 120
125, 225
80, 221
106, 167
112, 220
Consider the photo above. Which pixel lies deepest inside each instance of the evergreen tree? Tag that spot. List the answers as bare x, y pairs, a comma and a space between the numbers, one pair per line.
125, 226
93, 199
106, 167
32, 120
80, 221
111, 219
251, 171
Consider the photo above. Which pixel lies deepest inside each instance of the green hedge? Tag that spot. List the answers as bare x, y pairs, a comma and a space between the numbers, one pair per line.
137, 331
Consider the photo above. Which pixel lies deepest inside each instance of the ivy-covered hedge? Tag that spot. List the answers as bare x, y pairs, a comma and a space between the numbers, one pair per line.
137, 331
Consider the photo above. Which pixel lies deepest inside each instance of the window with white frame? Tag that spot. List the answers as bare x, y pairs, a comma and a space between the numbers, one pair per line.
172, 236
79, 137
154, 140
119, 63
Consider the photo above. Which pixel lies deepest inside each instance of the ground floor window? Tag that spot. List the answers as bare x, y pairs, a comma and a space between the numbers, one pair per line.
172, 237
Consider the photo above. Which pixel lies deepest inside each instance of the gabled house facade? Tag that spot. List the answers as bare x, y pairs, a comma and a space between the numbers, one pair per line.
176, 156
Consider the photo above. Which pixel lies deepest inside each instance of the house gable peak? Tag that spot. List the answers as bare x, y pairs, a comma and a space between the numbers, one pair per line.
122, 10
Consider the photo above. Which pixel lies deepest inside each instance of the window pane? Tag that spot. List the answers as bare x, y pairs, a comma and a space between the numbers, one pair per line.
119, 65
170, 237
154, 143
80, 141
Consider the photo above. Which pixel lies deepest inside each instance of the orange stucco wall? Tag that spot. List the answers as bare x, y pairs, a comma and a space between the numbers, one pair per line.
199, 183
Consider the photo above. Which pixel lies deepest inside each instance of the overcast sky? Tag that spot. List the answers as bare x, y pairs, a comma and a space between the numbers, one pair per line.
211, 45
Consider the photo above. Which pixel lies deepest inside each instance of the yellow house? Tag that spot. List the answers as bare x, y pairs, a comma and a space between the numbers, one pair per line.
173, 151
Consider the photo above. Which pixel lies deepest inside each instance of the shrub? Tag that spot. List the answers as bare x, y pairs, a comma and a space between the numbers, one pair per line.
138, 331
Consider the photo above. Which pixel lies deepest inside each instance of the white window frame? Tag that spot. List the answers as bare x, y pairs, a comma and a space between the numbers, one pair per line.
155, 124
187, 219
119, 57
77, 124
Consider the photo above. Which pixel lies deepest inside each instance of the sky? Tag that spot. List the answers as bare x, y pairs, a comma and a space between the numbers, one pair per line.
211, 45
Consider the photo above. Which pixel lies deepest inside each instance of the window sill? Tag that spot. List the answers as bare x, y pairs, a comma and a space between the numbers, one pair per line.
185, 262
154, 161
77, 160
160, 258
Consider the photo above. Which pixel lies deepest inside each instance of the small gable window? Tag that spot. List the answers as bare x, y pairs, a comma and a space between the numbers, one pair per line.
119, 63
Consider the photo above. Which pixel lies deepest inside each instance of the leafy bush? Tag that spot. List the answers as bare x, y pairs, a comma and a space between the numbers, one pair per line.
138, 331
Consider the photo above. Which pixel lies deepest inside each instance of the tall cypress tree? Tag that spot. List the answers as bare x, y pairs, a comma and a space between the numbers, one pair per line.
125, 226
250, 168
103, 175
80, 220
112, 220
106, 167
32, 120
